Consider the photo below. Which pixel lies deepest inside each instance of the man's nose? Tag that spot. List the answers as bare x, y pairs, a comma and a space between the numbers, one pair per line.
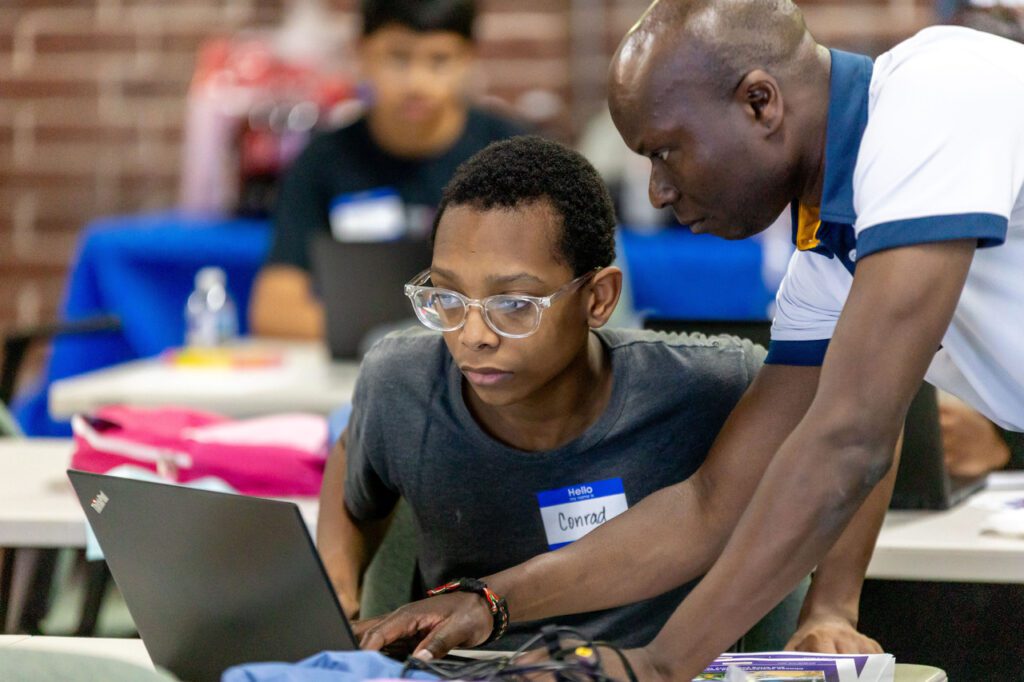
419, 77
661, 191
476, 333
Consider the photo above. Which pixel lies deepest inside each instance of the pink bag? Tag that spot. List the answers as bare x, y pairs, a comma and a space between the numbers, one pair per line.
280, 455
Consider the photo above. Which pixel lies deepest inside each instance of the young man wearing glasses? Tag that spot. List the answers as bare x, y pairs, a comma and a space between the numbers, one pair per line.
523, 425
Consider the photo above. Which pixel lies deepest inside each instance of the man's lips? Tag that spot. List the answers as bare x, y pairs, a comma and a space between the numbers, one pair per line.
692, 223
416, 108
485, 376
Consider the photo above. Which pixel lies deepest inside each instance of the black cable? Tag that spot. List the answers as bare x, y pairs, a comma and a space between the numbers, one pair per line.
630, 673
564, 664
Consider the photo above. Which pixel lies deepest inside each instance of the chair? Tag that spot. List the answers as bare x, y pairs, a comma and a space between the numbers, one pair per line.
15, 346
390, 578
8, 427
17, 343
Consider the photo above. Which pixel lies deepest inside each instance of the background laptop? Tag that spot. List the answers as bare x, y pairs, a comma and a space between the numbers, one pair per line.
921, 480
213, 579
360, 284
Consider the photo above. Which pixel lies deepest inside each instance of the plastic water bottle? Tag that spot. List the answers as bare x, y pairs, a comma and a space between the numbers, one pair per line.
211, 318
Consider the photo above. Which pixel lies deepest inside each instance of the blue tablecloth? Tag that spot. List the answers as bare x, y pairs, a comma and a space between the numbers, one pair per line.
141, 268
676, 274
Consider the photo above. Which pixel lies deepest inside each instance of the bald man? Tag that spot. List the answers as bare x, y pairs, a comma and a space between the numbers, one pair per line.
905, 179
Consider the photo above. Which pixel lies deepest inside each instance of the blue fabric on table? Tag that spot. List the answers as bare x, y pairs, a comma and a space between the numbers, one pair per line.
680, 275
142, 269
328, 666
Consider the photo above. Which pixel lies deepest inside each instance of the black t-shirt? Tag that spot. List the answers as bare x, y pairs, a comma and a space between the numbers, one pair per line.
347, 162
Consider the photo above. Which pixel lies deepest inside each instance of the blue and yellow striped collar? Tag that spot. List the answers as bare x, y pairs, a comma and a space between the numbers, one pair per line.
847, 118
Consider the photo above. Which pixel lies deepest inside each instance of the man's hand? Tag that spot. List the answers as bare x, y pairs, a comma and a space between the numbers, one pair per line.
462, 620
442, 623
971, 443
283, 304
831, 634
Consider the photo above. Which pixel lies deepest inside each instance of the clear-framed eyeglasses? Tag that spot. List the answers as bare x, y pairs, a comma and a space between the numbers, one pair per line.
514, 316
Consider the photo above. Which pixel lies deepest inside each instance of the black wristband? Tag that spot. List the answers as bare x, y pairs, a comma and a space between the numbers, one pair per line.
497, 605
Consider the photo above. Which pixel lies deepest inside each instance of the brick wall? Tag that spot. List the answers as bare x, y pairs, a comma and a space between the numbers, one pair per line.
866, 26
92, 97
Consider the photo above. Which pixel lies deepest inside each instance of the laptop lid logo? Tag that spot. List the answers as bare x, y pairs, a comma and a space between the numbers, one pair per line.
99, 502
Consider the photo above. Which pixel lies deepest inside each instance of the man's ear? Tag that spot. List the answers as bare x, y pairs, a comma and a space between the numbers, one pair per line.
759, 94
604, 291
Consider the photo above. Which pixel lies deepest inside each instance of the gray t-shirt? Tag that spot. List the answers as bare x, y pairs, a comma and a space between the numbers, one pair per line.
481, 506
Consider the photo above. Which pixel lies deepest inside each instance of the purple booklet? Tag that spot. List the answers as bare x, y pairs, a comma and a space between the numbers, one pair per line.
803, 667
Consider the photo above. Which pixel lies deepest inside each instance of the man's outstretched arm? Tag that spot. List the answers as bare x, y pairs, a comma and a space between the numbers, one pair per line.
831, 609
553, 583
895, 317
670, 537
677, 533
283, 304
694, 519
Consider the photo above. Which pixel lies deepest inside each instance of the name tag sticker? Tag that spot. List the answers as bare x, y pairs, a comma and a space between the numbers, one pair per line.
570, 513
374, 216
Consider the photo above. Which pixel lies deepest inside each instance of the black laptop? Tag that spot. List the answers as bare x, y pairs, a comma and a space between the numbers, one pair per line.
922, 481
361, 286
213, 579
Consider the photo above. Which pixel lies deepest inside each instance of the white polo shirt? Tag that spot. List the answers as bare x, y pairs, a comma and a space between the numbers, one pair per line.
925, 145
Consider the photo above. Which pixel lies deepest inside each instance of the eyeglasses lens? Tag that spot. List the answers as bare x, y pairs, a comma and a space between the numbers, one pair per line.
444, 311
438, 310
513, 315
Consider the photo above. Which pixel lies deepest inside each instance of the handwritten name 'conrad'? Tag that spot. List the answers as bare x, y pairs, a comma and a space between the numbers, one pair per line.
591, 520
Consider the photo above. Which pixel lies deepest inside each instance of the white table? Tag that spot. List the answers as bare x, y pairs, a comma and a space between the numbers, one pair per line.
133, 651
306, 380
947, 546
127, 650
38, 507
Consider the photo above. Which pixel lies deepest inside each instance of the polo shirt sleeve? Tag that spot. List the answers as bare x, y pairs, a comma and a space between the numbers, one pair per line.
939, 159
807, 308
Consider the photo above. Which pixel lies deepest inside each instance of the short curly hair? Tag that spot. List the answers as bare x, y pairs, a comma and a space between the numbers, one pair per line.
523, 170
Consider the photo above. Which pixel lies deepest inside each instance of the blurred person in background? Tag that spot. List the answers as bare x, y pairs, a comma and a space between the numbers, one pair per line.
381, 176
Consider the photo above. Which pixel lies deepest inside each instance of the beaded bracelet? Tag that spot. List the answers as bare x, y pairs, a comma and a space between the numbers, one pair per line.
497, 605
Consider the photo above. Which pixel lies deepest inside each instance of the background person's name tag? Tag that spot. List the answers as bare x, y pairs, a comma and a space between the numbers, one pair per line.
373, 216
570, 513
